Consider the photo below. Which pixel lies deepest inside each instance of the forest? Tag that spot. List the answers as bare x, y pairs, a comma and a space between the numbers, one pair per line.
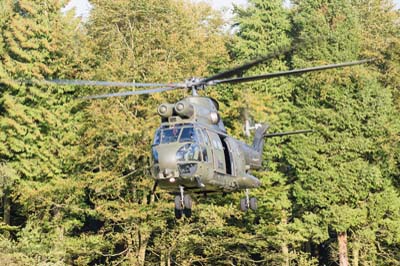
75, 182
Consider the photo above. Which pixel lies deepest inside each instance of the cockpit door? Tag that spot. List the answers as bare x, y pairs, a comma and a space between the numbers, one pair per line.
218, 151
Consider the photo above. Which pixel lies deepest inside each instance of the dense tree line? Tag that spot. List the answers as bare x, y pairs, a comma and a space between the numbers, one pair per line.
75, 183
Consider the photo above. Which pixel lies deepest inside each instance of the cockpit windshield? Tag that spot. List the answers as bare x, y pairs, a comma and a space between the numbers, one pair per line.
188, 135
170, 135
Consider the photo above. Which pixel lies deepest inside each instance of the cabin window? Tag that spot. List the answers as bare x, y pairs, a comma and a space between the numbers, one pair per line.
205, 155
188, 135
220, 146
215, 144
206, 139
170, 135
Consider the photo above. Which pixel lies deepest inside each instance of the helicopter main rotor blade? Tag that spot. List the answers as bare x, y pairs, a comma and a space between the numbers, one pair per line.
75, 82
289, 72
241, 68
280, 134
128, 93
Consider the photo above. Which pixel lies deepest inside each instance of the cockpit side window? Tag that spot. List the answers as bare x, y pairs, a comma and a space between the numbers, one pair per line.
157, 137
200, 136
170, 135
188, 135
206, 140
189, 152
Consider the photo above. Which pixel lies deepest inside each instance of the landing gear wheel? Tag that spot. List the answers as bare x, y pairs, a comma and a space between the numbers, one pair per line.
253, 204
178, 203
178, 213
188, 212
243, 205
178, 207
187, 202
183, 204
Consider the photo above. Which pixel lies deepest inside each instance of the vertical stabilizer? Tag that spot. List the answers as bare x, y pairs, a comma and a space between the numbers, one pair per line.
258, 142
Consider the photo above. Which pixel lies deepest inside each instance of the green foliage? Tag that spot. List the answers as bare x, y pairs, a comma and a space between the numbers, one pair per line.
74, 183
349, 159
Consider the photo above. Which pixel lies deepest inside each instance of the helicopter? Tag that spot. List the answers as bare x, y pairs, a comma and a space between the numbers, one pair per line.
192, 152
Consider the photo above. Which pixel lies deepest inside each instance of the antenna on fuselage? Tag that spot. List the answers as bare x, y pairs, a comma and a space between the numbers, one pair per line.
194, 91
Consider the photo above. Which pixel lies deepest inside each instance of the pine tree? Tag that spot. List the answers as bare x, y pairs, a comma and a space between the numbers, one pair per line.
37, 126
381, 39
263, 28
146, 41
339, 172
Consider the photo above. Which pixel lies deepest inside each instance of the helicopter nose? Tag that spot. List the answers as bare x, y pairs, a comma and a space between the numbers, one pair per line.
166, 157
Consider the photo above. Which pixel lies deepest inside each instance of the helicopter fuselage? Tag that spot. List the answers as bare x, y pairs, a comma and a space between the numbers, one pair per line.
191, 149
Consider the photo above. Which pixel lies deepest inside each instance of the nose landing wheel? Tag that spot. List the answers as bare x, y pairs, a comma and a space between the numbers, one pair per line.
248, 203
183, 205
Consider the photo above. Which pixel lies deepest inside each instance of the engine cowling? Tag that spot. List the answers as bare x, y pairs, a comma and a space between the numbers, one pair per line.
165, 110
184, 109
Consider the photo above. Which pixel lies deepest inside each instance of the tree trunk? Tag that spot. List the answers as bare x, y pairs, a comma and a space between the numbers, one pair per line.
285, 253
284, 246
162, 258
342, 241
143, 240
356, 253
165, 258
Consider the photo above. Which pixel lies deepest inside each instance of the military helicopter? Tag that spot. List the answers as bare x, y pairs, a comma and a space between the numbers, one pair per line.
191, 151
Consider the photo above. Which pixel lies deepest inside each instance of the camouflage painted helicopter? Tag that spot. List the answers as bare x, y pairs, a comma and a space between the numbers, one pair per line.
191, 150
